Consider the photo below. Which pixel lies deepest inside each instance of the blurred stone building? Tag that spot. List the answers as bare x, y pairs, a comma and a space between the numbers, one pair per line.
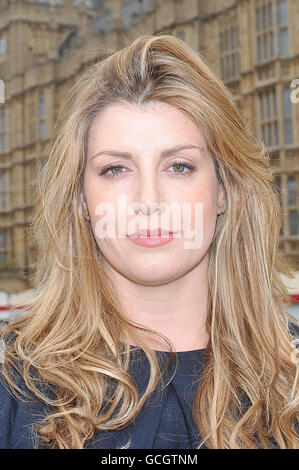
45, 45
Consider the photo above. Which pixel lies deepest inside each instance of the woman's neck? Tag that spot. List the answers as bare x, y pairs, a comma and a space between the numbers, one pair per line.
177, 309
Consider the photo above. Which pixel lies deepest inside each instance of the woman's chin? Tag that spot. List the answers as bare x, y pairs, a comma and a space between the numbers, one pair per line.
152, 277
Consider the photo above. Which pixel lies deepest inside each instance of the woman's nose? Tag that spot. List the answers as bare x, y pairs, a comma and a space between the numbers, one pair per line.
147, 196
146, 209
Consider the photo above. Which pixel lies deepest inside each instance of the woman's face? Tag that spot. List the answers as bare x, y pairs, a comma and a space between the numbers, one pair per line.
183, 182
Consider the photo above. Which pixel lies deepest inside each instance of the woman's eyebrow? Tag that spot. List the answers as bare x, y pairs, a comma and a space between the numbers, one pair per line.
164, 153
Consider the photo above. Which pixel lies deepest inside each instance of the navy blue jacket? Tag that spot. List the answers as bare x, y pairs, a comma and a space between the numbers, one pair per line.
165, 421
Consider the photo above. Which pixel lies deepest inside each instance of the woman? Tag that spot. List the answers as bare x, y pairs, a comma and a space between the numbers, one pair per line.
146, 339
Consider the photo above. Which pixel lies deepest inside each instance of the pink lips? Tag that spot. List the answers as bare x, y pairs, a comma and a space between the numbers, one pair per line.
151, 239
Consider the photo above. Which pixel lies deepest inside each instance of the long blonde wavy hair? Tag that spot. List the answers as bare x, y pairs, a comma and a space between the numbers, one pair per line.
72, 337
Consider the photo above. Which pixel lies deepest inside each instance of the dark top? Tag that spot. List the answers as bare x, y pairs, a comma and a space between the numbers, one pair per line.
165, 421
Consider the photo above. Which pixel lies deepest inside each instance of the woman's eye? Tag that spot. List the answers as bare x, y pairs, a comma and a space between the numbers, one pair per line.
113, 169
179, 168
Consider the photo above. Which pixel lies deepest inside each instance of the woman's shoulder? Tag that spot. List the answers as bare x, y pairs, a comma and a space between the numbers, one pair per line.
7, 410
13, 419
18, 412
20, 407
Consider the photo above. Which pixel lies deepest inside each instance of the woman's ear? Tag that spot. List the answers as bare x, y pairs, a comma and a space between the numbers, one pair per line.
221, 199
